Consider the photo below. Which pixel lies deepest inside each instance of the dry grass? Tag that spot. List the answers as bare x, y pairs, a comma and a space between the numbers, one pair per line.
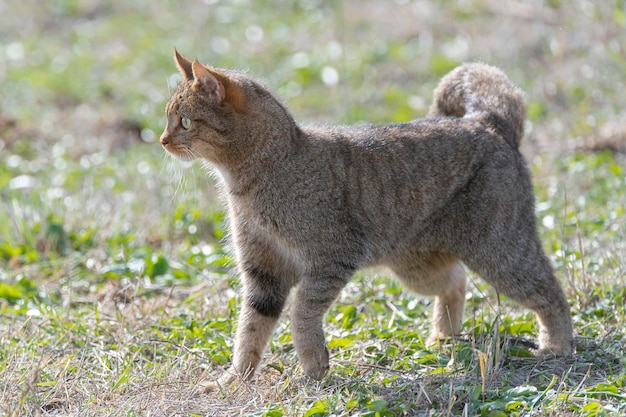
114, 359
98, 329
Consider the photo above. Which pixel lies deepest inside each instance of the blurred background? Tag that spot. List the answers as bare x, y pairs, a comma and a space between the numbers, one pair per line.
83, 85
114, 283
100, 70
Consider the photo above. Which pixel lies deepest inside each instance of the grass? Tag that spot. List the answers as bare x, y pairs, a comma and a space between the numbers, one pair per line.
116, 291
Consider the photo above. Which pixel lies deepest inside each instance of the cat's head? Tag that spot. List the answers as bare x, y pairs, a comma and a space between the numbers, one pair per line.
204, 113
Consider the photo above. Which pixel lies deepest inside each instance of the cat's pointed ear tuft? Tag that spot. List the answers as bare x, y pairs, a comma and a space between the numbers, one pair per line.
207, 81
219, 84
184, 65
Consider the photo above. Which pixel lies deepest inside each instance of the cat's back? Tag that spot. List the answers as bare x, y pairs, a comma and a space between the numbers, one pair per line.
370, 187
423, 146
391, 177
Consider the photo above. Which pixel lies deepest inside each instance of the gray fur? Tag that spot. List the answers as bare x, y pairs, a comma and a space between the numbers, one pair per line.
310, 206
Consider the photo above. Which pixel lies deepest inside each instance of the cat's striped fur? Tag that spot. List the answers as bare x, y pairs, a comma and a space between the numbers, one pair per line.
308, 206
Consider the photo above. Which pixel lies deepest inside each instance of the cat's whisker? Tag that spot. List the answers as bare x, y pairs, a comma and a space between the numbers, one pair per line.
191, 153
177, 178
167, 165
182, 178
169, 88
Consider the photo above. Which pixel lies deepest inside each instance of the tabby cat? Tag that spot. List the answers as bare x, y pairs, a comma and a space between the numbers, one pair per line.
309, 206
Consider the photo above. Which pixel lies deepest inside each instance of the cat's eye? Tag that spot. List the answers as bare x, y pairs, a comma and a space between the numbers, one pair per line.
185, 122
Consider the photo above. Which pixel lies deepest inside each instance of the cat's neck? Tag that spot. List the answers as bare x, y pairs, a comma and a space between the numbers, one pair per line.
269, 145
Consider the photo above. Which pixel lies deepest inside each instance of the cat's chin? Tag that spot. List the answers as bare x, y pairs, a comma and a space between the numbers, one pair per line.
184, 157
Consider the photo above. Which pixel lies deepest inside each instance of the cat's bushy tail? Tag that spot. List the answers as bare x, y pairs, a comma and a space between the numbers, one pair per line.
479, 88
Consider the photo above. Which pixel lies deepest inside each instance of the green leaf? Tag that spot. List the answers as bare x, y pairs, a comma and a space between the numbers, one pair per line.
277, 366
122, 379
341, 342
11, 293
114, 271
616, 169
318, 409
160, 266
514, 405
8, 251
521, 391
604, 388
594, 406
378, 406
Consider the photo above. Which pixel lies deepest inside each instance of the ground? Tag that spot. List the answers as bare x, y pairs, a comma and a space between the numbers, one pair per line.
116, 287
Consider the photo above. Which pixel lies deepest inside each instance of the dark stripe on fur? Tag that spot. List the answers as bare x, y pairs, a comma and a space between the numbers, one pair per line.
267, 292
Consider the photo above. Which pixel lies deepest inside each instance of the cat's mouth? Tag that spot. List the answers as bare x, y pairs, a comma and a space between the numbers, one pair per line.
181, 153
177, 150
184, 156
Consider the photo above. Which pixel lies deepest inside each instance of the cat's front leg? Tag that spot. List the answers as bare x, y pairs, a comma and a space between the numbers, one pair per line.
314, 297
264, 296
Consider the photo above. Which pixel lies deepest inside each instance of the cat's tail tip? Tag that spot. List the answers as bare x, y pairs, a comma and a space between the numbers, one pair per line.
478, 88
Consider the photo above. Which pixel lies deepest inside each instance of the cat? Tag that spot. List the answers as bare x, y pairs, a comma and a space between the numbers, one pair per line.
309, 206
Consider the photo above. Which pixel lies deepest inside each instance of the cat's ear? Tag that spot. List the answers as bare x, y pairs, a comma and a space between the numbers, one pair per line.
184, 65
207, 81
219, 84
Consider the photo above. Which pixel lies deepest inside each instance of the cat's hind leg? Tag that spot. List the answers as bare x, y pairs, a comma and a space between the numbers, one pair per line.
447, 317
493, 221
530, 281
442, 276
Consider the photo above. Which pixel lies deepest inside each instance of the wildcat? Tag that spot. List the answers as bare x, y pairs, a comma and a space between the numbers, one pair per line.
308, 206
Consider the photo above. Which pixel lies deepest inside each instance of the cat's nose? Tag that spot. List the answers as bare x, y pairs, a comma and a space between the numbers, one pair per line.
164, 139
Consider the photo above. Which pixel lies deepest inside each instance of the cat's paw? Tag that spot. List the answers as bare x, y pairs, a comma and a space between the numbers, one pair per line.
208, 386
566, 349
223, 383
559, 342
434, 339
316, 366
437, 338
317, 373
